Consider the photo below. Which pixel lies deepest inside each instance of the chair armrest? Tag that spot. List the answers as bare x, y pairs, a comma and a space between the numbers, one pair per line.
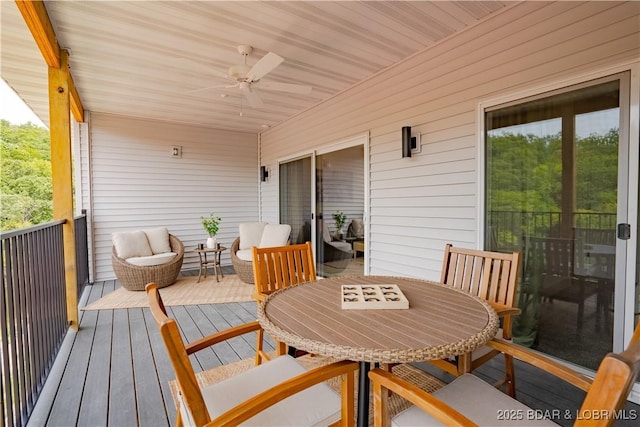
270, 397
426, 401
504, 310
542, 362
222, 336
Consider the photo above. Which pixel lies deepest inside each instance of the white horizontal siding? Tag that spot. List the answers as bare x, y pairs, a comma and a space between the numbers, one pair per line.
136, 184
419, 204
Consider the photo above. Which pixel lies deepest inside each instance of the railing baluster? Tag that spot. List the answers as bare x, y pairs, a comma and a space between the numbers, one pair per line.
33, 311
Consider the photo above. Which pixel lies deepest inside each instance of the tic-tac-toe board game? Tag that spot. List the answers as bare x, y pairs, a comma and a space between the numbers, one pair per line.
364, 297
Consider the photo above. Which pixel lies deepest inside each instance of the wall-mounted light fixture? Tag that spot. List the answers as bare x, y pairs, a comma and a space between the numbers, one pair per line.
410, 144
264, 173
406, 141
176, 152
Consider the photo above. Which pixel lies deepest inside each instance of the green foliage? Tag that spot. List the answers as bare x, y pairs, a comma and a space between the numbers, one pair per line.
340, 218
211, 224
524, 177
26, 196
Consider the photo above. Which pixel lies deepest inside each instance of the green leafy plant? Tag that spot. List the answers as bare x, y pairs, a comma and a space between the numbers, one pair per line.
340, 218
211, 224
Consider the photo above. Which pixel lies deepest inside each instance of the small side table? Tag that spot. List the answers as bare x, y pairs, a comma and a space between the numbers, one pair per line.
215, 262
358, 246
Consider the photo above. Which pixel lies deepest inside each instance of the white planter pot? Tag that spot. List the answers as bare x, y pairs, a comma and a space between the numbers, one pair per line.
212, 242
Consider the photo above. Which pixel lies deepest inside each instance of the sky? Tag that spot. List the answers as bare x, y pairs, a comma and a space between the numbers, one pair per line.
13, 109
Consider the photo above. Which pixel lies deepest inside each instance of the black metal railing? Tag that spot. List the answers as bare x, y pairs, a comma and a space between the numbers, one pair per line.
33, 314
82, 254
506, 228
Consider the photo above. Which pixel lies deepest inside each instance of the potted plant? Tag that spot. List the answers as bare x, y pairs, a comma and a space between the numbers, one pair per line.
340, 218
211, 224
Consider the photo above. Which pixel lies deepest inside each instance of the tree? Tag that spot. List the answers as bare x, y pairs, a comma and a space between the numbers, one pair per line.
26, 196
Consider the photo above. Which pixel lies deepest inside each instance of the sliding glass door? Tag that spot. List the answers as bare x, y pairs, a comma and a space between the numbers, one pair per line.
553, 192
340, 212
325, 192
295, 198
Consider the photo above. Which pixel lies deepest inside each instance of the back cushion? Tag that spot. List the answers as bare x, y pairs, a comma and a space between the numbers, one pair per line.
251, 234
275, 235
357, 228
131, 244
158, 240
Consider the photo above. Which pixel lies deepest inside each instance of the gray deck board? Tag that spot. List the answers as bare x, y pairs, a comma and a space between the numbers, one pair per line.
118, 371
92, 411
151, 410
121, 401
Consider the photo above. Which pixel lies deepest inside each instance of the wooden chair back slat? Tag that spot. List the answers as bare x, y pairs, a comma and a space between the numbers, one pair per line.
488, 275
281, 266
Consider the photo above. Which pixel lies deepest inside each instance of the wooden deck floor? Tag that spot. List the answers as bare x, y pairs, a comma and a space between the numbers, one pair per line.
117, 371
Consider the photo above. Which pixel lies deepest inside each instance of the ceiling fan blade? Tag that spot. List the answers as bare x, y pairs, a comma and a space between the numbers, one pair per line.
265, 65
251, 96
286, 87
211, 87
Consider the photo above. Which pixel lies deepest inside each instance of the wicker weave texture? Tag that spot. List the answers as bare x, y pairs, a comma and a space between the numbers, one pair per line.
244, 269
135, 278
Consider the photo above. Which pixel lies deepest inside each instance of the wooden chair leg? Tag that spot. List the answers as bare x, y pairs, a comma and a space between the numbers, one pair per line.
510, 375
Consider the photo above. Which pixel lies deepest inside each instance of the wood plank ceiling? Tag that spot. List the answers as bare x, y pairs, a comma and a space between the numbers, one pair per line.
152, 59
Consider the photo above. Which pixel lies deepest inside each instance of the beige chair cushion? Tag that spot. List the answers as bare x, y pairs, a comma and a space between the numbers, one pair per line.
158, 240
357, 228
479, 401
326, 236
275, 235
250, 234
148, 261
245, 254
315, 406
130, 244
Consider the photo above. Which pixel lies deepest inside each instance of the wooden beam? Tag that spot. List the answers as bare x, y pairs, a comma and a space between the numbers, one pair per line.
62, 175
76, 104
37, 19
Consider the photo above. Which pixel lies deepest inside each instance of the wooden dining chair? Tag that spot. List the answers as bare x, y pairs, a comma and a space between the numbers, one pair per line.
470, 401
491, 276
276, 268
280, 392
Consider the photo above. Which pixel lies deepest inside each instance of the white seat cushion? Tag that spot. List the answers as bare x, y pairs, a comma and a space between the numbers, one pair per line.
341, 246
245, 254
250, 234
148, 261
131, 244
318, 405
158, 240
480, 402
275, 235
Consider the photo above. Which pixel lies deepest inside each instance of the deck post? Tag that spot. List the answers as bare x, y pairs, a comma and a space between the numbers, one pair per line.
62, 175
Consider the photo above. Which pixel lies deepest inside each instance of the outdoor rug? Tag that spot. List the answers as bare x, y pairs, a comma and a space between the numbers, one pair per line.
186, 291
396, 404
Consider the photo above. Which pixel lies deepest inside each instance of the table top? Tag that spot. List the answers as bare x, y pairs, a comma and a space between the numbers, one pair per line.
205, 249
440, 322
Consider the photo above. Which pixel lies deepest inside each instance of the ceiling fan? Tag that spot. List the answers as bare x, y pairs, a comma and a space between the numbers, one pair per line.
248, 79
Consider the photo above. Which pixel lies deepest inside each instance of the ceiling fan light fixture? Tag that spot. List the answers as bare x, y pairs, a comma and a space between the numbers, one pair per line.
239, 71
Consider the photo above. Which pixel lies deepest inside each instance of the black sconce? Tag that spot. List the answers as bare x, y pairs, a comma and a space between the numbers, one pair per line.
264, 173
406, 141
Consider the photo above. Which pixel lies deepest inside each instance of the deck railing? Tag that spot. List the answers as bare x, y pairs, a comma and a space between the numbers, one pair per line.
33, 311
508, 227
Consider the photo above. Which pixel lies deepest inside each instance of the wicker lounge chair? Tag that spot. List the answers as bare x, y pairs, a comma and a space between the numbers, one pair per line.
262, 235
135, 278
244, 269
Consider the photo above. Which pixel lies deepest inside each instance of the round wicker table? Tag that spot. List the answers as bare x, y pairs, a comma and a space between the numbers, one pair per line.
440, 322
